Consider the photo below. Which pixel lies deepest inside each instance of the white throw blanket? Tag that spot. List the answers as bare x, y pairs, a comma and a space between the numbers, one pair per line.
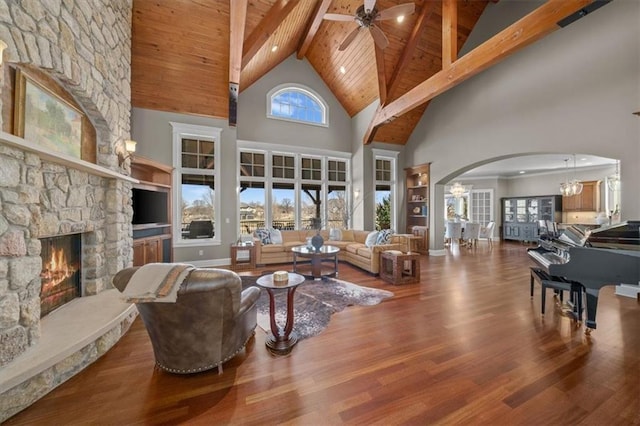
156, 282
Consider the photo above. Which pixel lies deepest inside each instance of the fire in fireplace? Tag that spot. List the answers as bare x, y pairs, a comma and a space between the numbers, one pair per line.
60, 276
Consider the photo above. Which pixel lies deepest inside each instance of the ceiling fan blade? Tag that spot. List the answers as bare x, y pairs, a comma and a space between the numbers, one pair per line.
395, 11
378, 37
338, 17
348, 39
369, 5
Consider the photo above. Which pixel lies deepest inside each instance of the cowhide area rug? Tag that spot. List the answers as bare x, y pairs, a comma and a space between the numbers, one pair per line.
315, 302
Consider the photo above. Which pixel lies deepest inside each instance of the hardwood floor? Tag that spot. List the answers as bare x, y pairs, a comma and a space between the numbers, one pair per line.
465, 346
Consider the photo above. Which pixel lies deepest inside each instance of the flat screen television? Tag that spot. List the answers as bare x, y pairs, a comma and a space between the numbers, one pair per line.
150, 206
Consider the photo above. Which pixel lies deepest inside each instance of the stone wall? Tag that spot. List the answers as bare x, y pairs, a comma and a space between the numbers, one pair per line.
85, 45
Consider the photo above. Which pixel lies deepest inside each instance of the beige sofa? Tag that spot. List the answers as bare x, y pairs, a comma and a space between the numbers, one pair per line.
351, 245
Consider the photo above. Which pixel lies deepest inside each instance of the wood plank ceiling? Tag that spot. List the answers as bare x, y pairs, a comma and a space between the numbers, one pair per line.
181, 53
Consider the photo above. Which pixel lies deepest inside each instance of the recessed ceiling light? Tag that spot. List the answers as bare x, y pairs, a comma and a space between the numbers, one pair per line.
522, 172
343, 70
400, 18
274, 48
583, 159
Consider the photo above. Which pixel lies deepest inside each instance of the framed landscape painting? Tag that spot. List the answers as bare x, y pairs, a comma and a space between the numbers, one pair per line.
46, 119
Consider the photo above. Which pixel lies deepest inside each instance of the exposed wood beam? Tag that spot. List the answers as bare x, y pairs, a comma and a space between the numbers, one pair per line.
238, 16
449, 32
372, 129
410, 47
271, 21
527, 30
403, 62
312, 28
382, 76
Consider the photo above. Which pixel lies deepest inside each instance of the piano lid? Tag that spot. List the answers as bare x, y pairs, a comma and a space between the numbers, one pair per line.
574, 236
624, 235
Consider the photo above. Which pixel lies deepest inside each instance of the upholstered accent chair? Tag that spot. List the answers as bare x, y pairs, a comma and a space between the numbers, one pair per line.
471, 233
210, 322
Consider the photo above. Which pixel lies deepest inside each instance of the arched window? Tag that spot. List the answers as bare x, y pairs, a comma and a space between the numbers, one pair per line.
297, 103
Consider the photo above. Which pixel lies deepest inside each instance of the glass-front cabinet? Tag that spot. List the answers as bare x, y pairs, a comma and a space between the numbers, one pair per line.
520, 215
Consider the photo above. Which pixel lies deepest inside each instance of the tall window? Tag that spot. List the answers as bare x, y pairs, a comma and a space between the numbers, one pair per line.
252, 191
297, 103
306, 190
338, 212
197, 162
385, 183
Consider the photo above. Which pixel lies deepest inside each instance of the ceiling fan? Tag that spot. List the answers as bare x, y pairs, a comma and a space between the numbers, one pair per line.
366, 16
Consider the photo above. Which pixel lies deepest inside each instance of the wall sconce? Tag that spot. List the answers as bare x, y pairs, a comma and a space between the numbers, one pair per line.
3, 46
130, 148
356, 193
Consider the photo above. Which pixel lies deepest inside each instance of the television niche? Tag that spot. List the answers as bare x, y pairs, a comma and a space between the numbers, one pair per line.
151, 202
150, 206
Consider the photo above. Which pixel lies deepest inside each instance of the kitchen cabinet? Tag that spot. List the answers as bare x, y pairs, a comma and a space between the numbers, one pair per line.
587, 201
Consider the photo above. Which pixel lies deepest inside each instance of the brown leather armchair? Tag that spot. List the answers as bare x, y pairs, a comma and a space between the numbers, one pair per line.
211, 321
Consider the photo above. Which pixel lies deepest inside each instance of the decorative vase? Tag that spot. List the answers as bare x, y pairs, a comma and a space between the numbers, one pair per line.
317, 241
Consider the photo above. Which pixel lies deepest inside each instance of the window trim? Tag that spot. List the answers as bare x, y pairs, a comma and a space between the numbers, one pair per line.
383, 154
180, 131
301, 89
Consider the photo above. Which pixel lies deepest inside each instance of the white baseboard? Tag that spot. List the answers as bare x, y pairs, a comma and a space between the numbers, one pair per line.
628, 290
433, 252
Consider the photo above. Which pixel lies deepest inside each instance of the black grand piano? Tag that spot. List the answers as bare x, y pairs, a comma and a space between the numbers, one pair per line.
584, 261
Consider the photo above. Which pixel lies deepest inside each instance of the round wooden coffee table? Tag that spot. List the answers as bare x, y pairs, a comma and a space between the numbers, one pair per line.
280, 341
323, 261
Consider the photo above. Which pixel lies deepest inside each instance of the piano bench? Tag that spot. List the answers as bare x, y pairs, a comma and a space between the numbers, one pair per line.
560, 285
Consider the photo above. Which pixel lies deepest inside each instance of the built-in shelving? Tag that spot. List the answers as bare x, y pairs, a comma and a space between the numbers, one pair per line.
417, 202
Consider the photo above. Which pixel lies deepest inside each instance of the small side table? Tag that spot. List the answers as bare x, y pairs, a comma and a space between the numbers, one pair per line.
281, 341
242, 264
399, 268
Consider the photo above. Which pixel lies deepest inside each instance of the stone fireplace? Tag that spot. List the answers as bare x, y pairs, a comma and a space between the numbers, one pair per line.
84, 47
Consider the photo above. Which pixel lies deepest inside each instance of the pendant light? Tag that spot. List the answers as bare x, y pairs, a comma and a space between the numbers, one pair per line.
613, 181
570, 187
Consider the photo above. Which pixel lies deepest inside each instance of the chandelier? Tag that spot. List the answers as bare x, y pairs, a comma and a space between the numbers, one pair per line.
570, 187
613, 181
458, 190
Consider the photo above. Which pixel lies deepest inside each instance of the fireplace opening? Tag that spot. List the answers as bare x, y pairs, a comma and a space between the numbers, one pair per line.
60, 276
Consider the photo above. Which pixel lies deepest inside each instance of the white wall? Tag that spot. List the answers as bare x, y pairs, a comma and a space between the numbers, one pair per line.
572, 92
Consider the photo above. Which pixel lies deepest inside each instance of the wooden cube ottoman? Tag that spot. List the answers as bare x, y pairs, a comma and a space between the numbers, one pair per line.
398, 268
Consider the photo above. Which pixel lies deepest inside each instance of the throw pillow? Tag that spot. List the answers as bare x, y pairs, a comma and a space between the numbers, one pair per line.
263, 235
371, 239
275, 235
335, 234
384, 237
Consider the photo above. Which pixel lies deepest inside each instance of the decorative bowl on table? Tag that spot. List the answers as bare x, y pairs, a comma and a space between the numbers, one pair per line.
280, 277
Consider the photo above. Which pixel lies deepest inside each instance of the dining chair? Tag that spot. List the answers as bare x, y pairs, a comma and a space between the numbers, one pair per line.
486, 232
453, 232
471, 233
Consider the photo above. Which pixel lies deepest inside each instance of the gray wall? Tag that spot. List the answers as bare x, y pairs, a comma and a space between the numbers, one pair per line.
253, 124
154, 134
572, 92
